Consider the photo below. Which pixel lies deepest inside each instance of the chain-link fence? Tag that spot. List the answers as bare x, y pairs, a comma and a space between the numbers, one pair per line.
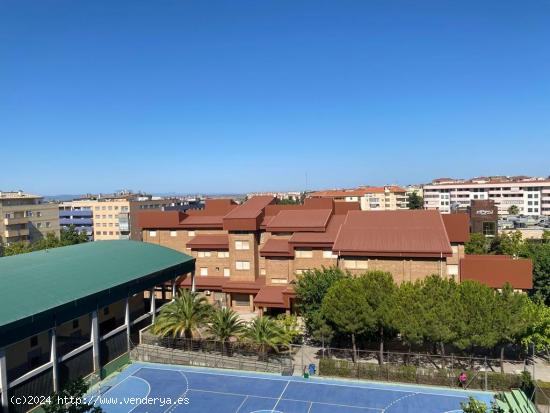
541, 398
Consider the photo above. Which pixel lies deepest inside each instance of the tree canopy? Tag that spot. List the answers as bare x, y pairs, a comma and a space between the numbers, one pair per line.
415, 201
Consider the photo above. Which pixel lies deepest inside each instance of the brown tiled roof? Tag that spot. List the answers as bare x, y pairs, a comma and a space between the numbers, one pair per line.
205, 282
252, 208
247, 216
458, 227
275, 247
406, 233
159, 219
203, 221
495, 272
208, 241
319, 239
271, 296
311, 220
342, 208
318, 203
244, 286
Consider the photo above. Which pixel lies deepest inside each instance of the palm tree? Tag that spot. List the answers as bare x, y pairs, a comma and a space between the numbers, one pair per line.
183, 316
266, 334
225, 323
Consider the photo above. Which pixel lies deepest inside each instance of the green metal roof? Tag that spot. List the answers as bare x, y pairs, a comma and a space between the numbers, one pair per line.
59, 283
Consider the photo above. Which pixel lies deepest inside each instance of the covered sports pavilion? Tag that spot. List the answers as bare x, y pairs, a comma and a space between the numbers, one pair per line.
72, 311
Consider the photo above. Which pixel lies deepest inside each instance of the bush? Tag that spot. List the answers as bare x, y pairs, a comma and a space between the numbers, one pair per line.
416, 375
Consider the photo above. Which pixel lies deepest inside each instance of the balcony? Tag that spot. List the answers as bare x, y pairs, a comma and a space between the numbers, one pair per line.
16, 221
75, 221
9, 233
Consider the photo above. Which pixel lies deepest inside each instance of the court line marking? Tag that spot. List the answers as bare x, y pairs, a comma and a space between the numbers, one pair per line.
147, 395
311, 382
242, 404
290, 400
279, 399
173, 406
397, 401
310, 406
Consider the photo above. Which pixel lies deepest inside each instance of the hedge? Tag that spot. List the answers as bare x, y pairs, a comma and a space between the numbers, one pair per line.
416, 375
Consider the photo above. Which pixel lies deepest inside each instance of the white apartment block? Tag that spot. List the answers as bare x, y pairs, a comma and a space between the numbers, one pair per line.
530, 195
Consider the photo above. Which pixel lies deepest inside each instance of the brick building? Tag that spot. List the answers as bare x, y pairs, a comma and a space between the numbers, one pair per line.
249, 255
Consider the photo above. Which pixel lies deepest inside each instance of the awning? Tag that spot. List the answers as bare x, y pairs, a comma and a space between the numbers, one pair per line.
272, 296
277, 248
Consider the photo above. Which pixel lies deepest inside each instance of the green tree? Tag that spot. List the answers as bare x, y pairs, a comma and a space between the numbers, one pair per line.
508, 244
409, 313
415, 201
321, 330
513, 210
70, 236
224, 324
476, 324
473, 406
539, 253
183, 316
537, 333
266, 334
345, 305
289, 326
16, 248
477, 244
311, 287
289, 201
76, 391
440, 300
511, 318
380, 290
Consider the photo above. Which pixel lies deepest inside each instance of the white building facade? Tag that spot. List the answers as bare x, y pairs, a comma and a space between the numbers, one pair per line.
530, 195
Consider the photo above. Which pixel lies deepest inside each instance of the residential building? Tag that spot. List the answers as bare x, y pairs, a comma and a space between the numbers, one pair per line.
110, 216
370, 198
26, 217
288, 195
483, 217
79, 214
530, 194
82, 309
249, 255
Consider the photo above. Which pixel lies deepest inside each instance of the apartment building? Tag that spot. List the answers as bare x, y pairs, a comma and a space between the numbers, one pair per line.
531, 195
110, 216
26, 217
249, 255
370, 198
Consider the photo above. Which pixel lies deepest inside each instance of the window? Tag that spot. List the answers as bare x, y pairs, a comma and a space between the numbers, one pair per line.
242, 245
223, 254
202, 254
489, 228
242, 265
356, 264
48, 224
300, 253
262, 271
279, 281
28, 213
38, 213
173, 233
240, 300
152, 233
110, 208
38, 224
75, 324
226, 272
34, 341
97, 208
329, 254
191, 233
204, 271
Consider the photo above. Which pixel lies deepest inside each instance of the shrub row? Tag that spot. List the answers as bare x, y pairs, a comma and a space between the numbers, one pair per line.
416, 375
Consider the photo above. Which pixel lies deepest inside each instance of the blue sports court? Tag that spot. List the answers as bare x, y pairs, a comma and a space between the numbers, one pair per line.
155, 388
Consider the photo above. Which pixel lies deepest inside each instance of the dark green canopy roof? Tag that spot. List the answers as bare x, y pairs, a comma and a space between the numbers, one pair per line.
56, 285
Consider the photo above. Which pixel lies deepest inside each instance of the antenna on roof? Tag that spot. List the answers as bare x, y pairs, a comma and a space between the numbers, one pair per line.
306, 183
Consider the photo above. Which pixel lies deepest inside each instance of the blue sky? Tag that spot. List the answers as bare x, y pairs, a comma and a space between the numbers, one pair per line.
232, 96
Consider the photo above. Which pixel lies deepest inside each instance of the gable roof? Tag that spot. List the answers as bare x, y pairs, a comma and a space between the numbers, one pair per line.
457, 227
407, 233
310, 220
247, 216
495, 272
